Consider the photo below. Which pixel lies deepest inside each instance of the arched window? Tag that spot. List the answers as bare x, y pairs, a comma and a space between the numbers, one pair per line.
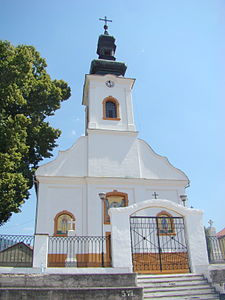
63, 222
165, 223
110, 109
114, 199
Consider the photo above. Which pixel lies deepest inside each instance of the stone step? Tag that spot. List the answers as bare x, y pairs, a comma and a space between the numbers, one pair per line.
179, 292
176, 286
97, 293
171, 284
170, 275
178, 289
168, 278
185, 297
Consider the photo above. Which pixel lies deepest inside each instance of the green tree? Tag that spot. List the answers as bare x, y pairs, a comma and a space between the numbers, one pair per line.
27, 97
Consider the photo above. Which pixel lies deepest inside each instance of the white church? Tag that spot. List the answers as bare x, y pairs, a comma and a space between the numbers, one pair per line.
112, 184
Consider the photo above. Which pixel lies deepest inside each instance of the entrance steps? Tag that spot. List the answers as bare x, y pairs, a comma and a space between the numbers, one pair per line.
176, 287
69, 287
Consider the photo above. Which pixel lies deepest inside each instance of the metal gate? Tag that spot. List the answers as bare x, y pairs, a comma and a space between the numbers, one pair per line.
158, 245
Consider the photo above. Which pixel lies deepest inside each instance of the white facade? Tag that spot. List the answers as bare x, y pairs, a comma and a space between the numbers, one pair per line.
109, 157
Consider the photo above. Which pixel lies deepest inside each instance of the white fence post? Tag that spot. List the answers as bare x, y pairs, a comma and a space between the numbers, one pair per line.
40, 255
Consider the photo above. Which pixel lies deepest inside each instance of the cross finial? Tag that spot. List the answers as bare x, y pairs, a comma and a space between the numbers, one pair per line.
155, 195
105, 26
210, 222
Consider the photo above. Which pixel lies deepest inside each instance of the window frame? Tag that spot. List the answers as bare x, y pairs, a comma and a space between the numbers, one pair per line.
64, 212
114, 100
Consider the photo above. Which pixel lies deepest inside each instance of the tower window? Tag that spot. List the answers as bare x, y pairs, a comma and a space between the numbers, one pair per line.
110, 109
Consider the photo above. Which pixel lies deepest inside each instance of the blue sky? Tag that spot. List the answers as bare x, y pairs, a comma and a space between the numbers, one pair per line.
176, 51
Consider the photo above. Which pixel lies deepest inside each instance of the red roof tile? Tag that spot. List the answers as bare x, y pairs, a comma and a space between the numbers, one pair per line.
221, 233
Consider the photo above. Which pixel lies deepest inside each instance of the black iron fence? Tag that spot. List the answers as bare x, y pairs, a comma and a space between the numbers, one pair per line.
79, 251
216, 249
16, 250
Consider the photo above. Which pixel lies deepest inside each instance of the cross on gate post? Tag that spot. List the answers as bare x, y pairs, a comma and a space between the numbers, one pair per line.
210, 223
155, 195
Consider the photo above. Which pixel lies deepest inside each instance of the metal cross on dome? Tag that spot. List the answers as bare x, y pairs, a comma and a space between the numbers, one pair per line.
105, 26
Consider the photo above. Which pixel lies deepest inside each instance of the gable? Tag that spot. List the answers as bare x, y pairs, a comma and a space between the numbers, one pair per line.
72, 162
154, 166
111, 155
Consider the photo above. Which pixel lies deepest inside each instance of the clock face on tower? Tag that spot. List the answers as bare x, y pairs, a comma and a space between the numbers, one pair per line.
110, 83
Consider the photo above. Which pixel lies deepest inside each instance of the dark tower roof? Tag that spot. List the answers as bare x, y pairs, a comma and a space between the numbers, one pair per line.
106, 64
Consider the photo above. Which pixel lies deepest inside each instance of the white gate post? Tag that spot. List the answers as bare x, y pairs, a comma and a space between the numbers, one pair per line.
120, 238
40, 254
197, 249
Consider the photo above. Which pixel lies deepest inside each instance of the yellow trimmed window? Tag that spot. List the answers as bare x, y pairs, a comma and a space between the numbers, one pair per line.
64, 221
110, 109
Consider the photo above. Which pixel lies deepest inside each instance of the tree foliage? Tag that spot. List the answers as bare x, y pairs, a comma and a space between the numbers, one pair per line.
27, 97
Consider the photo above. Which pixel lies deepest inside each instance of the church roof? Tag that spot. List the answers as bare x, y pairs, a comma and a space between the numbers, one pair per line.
104, 66
221, 233
106, 62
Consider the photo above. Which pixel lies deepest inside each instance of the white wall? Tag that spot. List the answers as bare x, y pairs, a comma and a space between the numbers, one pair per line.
72, 162
153, 165
95, 91
112, 155
80, 197
54, 199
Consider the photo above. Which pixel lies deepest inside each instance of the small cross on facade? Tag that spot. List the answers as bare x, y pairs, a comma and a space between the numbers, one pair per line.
155, 195
210, 223
105, 26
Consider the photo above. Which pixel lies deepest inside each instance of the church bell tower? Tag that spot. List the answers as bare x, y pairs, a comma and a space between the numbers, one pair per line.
110, 158
107, 93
